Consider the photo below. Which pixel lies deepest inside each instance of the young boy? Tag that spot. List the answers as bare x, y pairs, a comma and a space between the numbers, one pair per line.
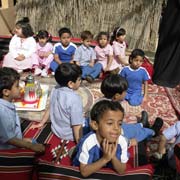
64, 50
114, 88
66, 109
10, 129
105, 146
85, 57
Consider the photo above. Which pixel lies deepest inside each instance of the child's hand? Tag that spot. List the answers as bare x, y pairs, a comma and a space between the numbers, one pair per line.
91, 64
162, 150
20, 57
27, 140
39, 125
109, 150
46, 54
133, 142
39, 148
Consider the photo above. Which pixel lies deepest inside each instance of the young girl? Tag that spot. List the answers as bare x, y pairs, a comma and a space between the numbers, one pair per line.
22, 48
104, 53
136, 76
119, 46
44, 53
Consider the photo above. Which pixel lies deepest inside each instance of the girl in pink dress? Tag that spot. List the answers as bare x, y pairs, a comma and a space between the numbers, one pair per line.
119, 46
104, 53
22, 48
44, 53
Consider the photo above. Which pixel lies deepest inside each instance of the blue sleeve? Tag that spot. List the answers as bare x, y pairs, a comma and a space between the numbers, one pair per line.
123, 73
93, 54
146, 75
77, 111
7, 127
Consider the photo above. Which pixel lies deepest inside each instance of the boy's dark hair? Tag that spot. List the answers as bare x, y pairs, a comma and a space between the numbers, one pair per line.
26, 27
102, 33
116, 33
8, 77
113, 84
43, 34
86, 35
67, 72
103, 106
135, 53
64, 30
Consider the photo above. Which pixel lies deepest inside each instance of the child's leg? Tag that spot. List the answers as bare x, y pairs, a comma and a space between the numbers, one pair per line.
96, 70
47, 61
86, 70
136, 131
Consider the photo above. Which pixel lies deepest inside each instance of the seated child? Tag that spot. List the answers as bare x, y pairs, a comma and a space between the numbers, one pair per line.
136, 76
104, 53
44, 53
22, 48
119, 46
171, 135
64, 50
114, 88
85, 57
66, 108
104, 146
10, 128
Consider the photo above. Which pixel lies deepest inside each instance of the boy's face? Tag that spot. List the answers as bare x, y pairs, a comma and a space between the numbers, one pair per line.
136, 62
13, 93
87, 42
109, 126
65, 39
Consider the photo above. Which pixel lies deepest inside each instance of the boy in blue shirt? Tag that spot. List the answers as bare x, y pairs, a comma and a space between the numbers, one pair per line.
85, 57
64, 50
104, 146
10, 129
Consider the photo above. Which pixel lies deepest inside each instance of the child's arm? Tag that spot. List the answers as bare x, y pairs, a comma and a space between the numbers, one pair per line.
91, 64
39, 148
145, 90
117, 164
162, 145
43, 121
56, 59
77, 130
88, 169
122, 61
110, 59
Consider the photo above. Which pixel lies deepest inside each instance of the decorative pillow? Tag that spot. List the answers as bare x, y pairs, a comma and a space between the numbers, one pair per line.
49, 171
16, 164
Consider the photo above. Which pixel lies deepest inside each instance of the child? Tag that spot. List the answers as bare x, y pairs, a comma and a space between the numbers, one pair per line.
114, 88
10, 129
104, 53
170, 134
22, 48
119, 46
85, 58
105, 146
44, 53
64, 50
136, 76
66, 109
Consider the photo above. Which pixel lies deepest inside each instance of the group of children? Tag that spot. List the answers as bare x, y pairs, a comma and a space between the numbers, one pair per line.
109, 138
